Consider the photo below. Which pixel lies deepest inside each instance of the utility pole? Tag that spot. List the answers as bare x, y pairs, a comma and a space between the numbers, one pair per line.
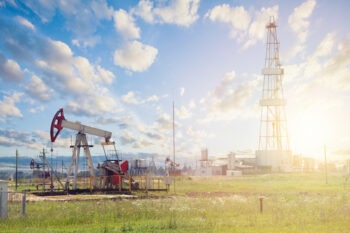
174, 167
44, 175
325, 163
16, 168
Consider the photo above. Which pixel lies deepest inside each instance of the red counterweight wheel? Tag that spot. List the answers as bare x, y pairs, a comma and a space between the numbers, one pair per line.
56, 124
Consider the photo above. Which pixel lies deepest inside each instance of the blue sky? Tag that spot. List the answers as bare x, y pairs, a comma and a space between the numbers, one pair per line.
118, 65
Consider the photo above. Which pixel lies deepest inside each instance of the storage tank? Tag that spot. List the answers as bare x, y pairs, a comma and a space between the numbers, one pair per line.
143, 163
204, 156
134, 163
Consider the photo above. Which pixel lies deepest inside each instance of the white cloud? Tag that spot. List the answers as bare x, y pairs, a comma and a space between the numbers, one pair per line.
152, 98
94, 73
192, 104
240, 22
121, 121
228, 100
183, 113
144, 9
9, 2
37, 89
224, 85
92, 105
80, 17
76, 77
130, 98
197, 133
135, 56
101, 9
25, 22
298, 20
35, 140
257, 29
182, 91
8, 108
237, 17
164, 122
8, 143
10, 70
336, 70
326, 46
37, 109
127, 138
89, 41
179, 12
124, 23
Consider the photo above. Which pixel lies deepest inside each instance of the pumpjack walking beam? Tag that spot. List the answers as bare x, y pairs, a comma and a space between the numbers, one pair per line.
58, 123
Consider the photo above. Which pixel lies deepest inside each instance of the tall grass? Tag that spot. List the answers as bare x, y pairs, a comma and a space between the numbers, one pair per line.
293, 203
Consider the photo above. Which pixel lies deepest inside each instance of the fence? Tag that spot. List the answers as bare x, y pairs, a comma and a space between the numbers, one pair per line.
12, 204
128, 183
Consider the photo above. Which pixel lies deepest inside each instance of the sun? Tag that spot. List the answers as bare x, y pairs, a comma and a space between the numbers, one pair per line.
309, 131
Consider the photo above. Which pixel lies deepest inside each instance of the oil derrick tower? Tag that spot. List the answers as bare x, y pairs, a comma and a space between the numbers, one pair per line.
274, 152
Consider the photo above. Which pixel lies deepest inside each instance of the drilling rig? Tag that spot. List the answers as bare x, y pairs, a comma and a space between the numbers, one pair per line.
112, 168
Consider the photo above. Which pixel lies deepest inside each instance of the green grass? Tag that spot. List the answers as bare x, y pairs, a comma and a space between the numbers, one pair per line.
293, 203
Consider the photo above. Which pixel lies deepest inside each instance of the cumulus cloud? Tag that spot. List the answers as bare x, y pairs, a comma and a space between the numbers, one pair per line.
228, 99
92, 105
183, 113
127, 138
240, 21
149, 131
37, 89
9, 143
326, 46
35, 140
135, 56
8, 107
25, 22
328, 66
224, 85
10, 70
237, 17
299, 23
124, 24
179, 12
336, 71
101, 9
257, 28
122, 122
90, 41
182, 91
37, 109
130, 98
164, 123
80, 17
198, 133
60, 70
298, 20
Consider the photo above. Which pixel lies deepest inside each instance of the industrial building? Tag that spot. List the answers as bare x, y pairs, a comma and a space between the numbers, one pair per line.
230, 165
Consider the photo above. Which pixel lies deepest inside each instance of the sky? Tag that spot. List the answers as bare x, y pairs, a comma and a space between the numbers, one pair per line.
119, 65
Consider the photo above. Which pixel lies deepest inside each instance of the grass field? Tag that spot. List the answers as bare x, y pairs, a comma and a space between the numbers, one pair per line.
292, 203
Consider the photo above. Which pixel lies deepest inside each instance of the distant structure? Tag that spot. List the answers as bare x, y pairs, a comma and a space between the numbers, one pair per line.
274, 153
231, 165
152, 169
204, 158
138, 166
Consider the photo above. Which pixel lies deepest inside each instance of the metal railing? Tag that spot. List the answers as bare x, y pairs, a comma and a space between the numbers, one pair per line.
128, 183
14, 204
